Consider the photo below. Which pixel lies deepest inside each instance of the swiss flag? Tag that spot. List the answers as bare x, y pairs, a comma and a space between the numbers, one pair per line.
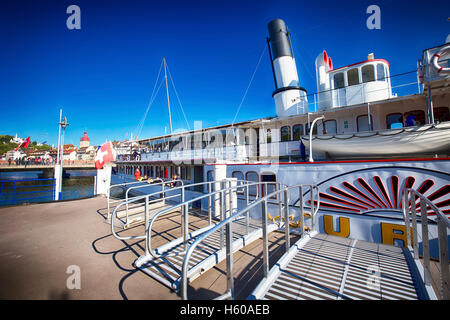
104, 155
24, 144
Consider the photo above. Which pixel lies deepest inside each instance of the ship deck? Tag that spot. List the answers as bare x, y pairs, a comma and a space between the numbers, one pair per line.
39, 242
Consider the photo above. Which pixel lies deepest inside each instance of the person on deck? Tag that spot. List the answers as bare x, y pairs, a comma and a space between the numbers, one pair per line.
137, 174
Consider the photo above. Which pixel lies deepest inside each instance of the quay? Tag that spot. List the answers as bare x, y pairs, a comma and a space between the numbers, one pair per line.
40, 242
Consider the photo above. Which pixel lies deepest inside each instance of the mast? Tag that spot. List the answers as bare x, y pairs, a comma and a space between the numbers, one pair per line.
167, 91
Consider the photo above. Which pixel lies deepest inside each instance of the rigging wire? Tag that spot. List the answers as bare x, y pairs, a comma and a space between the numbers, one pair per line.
250, 83
152, 98
176, 94
148, 108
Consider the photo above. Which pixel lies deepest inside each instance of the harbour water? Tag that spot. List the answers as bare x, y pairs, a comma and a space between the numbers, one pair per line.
30, 188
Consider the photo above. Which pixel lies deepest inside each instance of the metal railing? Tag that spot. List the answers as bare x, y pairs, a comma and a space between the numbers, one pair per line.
184, 204
264, 217
14, 194
443, 223
221, 200
143, 184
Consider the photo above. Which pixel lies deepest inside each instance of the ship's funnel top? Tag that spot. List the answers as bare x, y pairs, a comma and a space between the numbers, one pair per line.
279, 39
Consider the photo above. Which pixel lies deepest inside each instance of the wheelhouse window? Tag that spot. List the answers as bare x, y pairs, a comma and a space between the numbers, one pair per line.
381, 75
285, 133
338, 80
362, 123
252, 176
297, 131
353, 77
368, 73
441, 114
330, 127
394, 120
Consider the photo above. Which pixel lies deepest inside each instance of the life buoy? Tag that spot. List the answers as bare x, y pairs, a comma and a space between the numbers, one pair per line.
435, 58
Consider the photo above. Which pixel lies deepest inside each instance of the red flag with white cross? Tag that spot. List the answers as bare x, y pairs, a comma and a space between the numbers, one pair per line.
104, 155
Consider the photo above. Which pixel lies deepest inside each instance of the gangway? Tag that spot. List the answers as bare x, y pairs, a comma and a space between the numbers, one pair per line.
321, 266
165, 263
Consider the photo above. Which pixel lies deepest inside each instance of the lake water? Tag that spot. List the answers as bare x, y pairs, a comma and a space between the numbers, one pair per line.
80, 184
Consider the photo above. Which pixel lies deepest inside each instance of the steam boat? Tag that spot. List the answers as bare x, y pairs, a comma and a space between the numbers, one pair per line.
361, 144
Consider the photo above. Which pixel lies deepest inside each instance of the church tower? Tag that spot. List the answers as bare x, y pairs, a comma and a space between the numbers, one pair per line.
84, 141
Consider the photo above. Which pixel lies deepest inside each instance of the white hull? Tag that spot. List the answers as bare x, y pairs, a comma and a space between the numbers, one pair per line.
426, 139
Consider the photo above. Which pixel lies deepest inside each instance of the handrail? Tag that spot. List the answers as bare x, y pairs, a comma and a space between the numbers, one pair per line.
162, 191
183, 187
227, 223
185, 204
409, 207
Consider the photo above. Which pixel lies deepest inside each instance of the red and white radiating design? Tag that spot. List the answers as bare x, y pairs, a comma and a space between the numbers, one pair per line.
104, 155
361, 196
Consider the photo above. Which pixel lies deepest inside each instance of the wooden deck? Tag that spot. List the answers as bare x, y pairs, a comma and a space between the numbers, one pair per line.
38, 243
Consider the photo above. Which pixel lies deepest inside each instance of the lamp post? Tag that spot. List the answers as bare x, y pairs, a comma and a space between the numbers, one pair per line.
60, 156
310, 137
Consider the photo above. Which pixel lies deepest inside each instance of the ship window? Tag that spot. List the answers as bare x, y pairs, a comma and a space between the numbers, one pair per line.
339, 80
368, 73
394, 120
418, 117
252, 176
297, 131
268, 136
381, 76
362, 123
270, 187
285, 133
441, 114
210, 176
330, 127
353, 76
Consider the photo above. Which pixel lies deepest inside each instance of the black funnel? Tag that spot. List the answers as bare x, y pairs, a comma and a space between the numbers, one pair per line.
279, 39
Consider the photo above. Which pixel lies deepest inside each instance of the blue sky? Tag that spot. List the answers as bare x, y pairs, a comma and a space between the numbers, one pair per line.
102, 76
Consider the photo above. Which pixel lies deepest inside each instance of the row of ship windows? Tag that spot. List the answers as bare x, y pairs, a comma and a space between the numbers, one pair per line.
288, 133
368, 73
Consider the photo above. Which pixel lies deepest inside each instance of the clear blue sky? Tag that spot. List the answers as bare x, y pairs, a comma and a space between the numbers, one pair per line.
103, 75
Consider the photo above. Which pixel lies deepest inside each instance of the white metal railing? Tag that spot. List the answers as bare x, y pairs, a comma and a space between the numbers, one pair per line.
229, 232
142, 183
443, 224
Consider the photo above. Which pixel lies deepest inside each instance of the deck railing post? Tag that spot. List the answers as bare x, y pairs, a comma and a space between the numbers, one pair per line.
406, 204
247, 214
147, 222
223, 204
443, 258
302, 217
425, 242
229, 250
209, 203
265, 239
312, 207
414, 225
286, 219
